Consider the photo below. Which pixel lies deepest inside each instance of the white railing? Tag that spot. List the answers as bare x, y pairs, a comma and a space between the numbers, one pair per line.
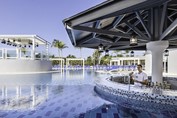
41, 56
7, 53
11, 54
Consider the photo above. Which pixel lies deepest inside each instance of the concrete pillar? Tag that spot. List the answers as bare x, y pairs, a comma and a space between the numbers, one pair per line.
138, 61
134, 62
148, 62
33, 49
47, 51
157, 48
118, 62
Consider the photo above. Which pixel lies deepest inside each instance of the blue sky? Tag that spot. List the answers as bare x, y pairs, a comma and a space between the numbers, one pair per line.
44, 18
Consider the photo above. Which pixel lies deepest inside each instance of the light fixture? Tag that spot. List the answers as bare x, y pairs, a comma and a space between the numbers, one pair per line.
8, 42
3, 41
133, 40
106, 52
100, 48
132, 53
30, 42
166, 53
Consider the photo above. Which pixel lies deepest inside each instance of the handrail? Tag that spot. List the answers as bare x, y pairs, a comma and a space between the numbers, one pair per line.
9, 53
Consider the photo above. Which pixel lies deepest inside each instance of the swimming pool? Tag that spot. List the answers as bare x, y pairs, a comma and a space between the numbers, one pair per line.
66, 94
60, 95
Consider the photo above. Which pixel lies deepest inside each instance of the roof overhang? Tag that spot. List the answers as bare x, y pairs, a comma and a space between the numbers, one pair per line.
113, 22
24, 39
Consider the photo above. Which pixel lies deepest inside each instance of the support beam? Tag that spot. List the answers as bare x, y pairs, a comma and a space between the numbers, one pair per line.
120, 43
118, 38
104, 39
171, 38
143, 23
169, 29
85, 39
127, 46
117, 21
101, 31
97, 25
163, 18
135, 29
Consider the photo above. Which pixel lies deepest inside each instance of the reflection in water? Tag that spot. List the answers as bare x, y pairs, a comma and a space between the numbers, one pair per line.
26, 91
74, 74
63, 95
23, 91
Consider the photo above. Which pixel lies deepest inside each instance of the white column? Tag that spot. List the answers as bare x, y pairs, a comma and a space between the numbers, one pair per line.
138, 61
47, 51
134, 62
119, 62
17, 51
110, 64
157, 48
148, 62
33, 50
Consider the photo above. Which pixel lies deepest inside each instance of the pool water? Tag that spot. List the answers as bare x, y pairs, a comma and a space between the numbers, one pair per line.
69, 94
60, 95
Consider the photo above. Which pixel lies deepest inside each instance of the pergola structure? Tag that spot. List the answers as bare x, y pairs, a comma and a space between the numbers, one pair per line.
74, 59
113, 22
24, 41
61, 62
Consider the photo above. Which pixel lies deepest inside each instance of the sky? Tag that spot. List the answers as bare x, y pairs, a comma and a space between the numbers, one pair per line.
43, 18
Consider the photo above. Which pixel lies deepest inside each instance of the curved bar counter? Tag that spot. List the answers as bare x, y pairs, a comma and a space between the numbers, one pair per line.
131, 96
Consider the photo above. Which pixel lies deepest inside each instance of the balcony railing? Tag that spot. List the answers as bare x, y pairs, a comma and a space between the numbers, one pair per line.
6, 53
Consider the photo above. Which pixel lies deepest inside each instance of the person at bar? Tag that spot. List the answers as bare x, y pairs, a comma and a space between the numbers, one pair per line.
139, 78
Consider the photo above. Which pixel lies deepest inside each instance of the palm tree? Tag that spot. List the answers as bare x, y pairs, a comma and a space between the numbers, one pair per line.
60, 45
127, 53
118, 53
96, 57
23, 50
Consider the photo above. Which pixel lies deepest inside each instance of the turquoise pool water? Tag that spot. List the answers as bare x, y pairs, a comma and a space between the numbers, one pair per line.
61, 95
